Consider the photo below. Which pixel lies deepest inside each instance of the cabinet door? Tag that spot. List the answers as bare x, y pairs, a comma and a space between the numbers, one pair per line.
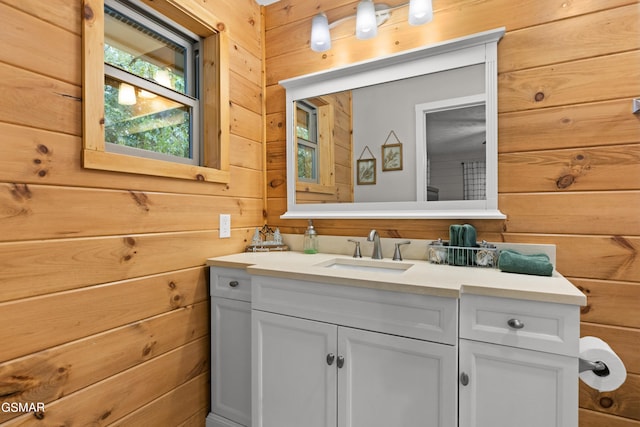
293, 383
507, 386
388, 380
231, 359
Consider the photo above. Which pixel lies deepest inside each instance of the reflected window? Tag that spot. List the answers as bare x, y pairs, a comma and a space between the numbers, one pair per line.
307, 141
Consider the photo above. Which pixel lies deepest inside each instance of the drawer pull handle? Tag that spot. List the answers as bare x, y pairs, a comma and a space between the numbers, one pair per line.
515, 324
340, 362
234, 283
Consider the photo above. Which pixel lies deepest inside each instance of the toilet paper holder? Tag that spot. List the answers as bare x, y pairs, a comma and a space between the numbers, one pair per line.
599, 368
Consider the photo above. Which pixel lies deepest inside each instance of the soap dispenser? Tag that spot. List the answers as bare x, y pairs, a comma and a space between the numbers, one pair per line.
310, 245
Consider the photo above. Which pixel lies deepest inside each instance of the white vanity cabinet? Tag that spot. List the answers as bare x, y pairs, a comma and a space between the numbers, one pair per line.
518, 363
330, 355
230, 348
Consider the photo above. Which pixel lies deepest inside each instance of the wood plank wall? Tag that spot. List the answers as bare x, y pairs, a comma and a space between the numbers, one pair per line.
104, 312
569, 147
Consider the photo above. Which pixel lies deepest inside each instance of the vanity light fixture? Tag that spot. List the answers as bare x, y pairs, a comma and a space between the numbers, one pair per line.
369, 16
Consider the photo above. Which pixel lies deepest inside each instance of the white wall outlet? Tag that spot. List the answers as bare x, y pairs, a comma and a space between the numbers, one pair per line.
225, 226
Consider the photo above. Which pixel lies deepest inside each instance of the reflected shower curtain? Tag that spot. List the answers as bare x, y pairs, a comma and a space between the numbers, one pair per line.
474, 181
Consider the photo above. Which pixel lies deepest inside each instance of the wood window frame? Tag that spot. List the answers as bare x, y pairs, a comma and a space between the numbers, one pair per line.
326, 158
214, 95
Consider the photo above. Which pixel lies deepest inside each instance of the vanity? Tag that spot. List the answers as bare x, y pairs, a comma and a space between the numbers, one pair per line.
330, 340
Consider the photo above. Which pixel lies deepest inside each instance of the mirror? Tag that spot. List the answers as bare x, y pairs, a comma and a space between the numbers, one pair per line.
412, 135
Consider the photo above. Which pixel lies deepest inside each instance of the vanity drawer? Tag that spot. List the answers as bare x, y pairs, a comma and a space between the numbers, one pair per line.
232, 283
534, 325
424, 317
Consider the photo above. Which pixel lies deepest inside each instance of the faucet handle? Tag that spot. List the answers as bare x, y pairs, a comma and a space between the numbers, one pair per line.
356, 253
397, 256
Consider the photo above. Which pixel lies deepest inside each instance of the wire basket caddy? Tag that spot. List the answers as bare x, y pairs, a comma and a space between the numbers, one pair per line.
485, 255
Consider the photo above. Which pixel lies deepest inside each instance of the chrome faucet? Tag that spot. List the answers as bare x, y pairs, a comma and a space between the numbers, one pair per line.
377, 247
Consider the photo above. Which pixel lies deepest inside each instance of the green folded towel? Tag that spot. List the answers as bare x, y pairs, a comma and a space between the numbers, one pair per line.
514, 262
462, 236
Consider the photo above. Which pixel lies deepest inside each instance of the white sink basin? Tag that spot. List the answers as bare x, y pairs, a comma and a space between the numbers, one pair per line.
373, 266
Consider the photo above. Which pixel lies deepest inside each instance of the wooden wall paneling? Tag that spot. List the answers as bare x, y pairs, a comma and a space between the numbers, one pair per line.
579, 125
586, 36
58, 58
125, 392
590, 256
609, 302
245, 93
245, 63
245, 153
593, 168
62, 370
596, 79
65, 264
131, 284
188, 397
63, 13
607, 212
105, 307
37, 101
276, 126
48, 212
588, 418
245, 122
622, 402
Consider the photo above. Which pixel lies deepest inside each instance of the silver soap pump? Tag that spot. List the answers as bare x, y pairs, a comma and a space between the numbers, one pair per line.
310, 245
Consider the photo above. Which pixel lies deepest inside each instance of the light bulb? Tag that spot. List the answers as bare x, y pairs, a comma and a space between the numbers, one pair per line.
420, 12
320, 35
366, 25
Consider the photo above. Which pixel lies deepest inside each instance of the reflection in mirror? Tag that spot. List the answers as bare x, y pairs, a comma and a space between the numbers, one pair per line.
452, 155
341, 118
323, 129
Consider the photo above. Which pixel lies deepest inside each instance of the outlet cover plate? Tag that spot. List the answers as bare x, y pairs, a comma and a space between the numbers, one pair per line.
225, 226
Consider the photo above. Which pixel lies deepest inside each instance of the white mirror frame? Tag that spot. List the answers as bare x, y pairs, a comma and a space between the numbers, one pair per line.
480, 48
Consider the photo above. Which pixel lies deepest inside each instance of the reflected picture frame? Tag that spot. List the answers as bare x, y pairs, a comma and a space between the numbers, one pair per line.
366, 172
392, 157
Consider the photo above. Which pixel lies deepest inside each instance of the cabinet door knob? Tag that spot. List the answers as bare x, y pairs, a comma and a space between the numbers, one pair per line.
515, 324
464, 379
233, 283
330, 358
340, 362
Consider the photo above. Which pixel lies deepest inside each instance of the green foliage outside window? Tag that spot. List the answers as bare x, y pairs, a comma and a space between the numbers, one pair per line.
166, 131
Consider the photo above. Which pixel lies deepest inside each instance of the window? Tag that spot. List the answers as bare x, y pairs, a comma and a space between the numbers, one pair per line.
307, 135
150, 112
314, 145
151, 86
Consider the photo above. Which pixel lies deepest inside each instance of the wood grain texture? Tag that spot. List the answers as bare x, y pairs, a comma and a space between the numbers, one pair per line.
571, 126
121, 394
64, 369
104, 293
105, 307
609, 302
592, 168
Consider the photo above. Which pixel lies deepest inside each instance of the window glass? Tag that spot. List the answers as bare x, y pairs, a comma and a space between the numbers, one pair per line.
150, 89
307, 136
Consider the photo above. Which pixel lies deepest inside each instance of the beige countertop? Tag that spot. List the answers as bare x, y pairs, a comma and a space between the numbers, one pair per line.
421, 277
